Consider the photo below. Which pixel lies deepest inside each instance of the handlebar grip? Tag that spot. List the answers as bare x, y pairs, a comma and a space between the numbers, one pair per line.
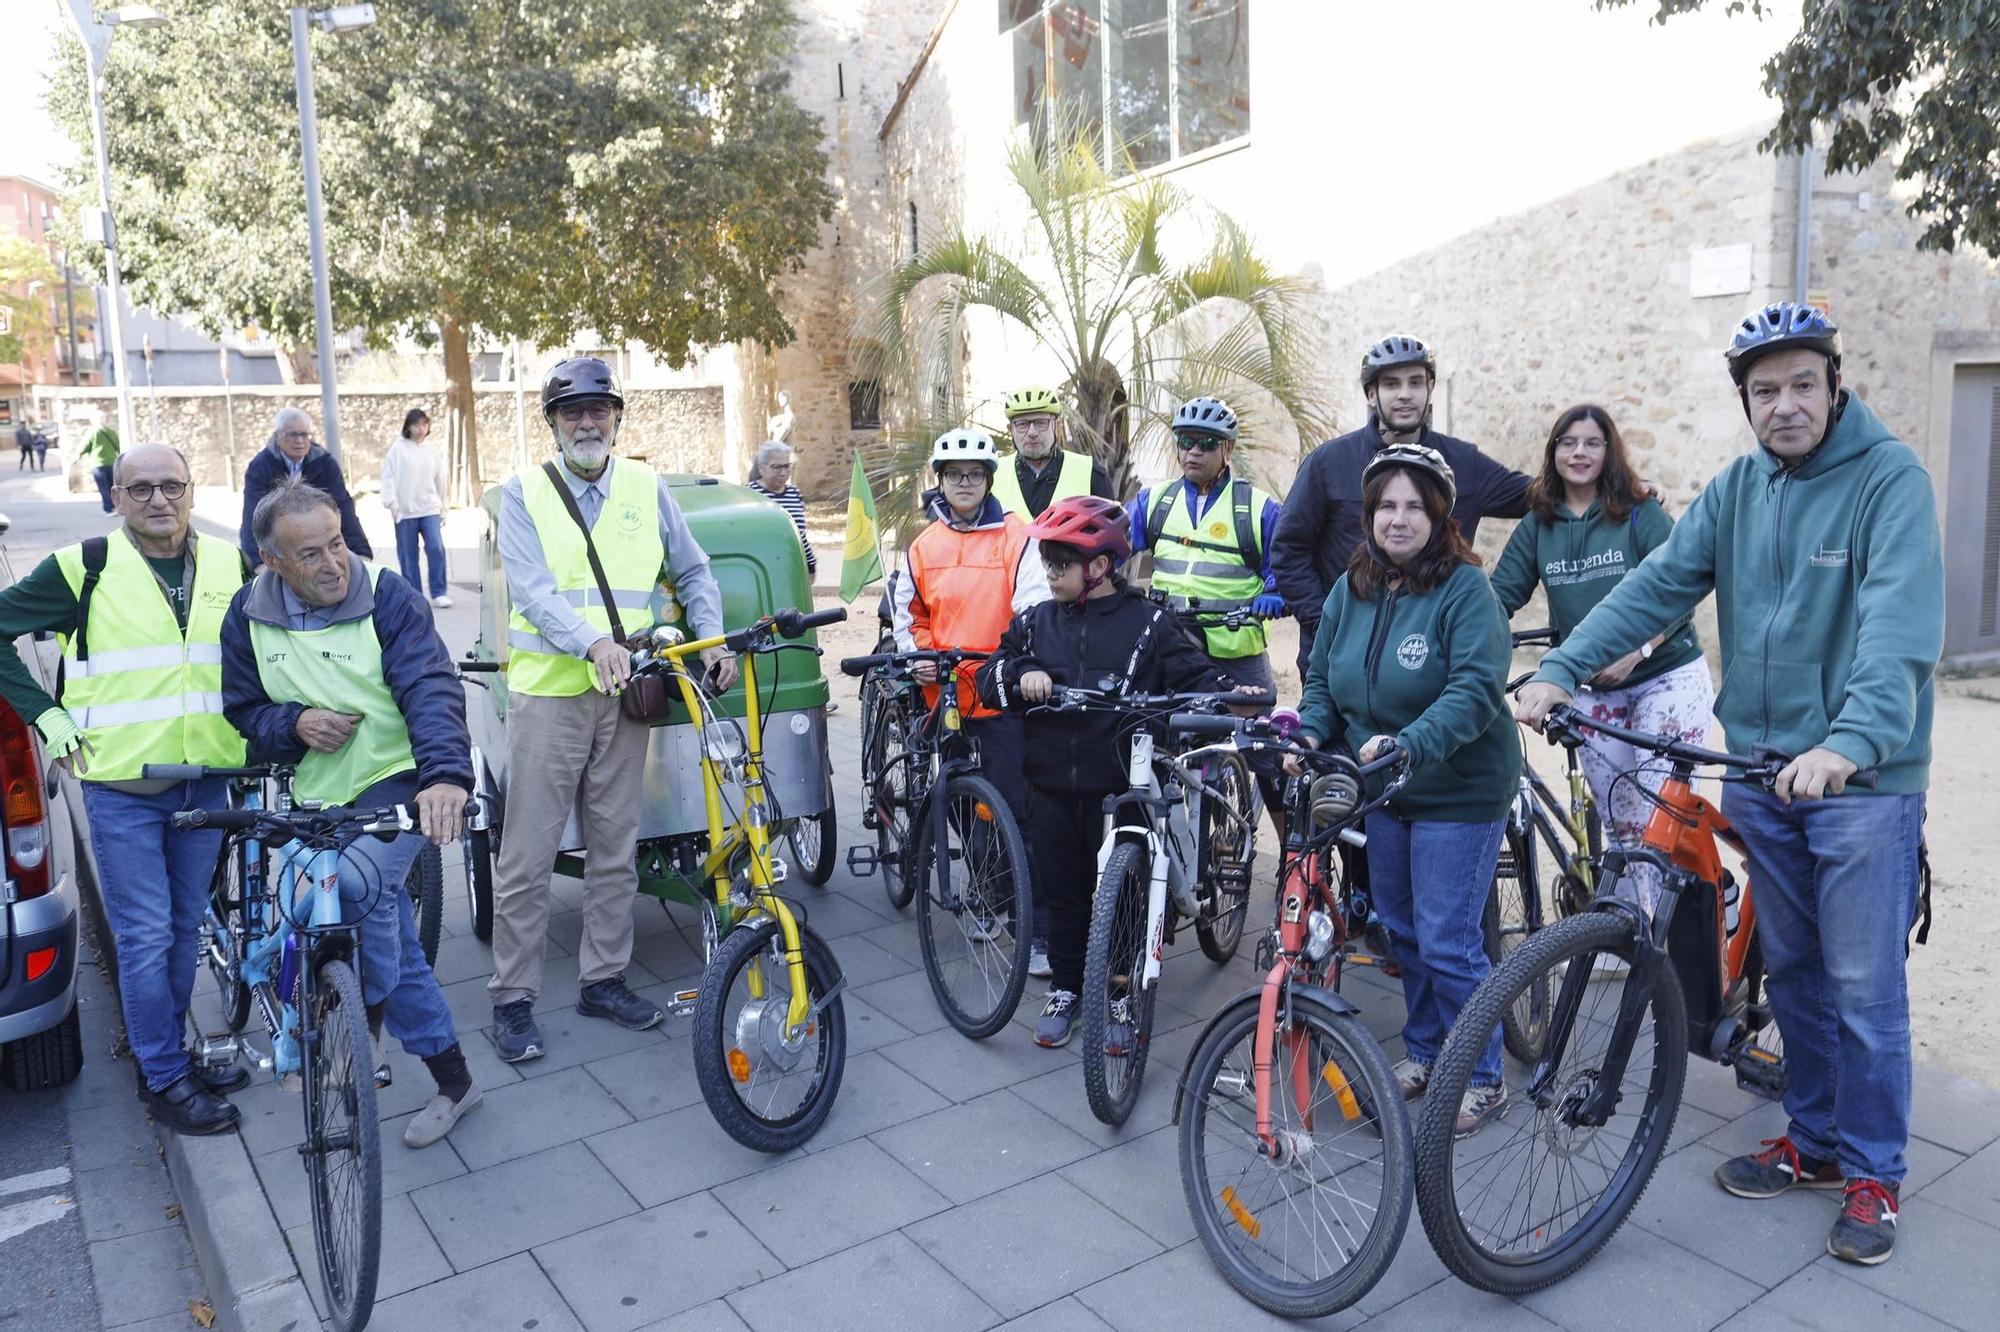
173, 772
476, 667
858, 666
228, 820
1202, 723
1865, 779
791, 624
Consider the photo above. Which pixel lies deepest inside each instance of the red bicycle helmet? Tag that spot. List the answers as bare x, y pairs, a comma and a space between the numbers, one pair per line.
1092, 525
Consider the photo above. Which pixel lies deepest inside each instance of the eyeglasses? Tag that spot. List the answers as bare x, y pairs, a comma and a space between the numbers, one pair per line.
1198, 443
959, 476
296, 434
573, 412
142, 491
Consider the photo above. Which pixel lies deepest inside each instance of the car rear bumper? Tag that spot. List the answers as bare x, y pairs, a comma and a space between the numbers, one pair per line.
28, 1007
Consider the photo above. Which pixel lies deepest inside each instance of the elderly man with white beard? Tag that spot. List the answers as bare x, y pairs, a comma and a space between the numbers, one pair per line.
577, 532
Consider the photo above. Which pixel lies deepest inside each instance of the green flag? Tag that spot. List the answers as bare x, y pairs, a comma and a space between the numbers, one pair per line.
861, 559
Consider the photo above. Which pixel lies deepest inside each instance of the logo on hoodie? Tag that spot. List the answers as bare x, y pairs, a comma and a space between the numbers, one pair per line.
1413, 652
1829, 559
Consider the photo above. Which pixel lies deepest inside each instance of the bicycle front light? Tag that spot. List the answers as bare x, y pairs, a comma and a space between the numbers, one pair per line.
1319, 935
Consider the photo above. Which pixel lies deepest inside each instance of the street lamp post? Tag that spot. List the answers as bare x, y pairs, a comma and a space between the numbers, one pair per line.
95, 34
338, 19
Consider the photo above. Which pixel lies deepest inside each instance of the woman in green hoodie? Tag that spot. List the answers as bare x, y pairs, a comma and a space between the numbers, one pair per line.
1412, 653
1589, 524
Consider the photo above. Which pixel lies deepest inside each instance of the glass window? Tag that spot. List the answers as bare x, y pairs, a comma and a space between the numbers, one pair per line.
864, 404
1076, 60
1213, 64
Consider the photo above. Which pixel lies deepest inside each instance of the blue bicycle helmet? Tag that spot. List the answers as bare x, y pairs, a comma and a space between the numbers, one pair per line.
1777, 328
1206, 416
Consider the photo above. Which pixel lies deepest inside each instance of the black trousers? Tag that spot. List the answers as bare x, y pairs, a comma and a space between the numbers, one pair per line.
1063, 838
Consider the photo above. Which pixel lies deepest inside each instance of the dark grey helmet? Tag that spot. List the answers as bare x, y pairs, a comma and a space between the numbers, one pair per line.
579, 379
1396, 349
1205, 416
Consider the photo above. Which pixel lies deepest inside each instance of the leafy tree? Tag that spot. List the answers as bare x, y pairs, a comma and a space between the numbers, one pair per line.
634, 167
1134, 331
1877, 75
26, 276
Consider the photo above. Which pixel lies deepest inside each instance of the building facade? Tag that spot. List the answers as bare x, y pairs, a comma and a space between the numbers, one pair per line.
28, 210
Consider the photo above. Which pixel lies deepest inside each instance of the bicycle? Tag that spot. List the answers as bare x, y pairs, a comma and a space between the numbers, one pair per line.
941, 825
1179, 845
1502, 1219
1294, 1143
237, 915
770, 1038
1573, 835
303, 976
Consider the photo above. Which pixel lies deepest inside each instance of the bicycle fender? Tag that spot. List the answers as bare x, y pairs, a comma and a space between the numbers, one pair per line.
1333, 999
769, 926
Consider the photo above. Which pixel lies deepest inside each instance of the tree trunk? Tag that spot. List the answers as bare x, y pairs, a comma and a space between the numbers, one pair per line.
461, 426
1101, 403
297, 364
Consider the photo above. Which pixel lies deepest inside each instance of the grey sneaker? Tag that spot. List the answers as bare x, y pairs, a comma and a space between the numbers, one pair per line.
515, 1034
613, 999
982, 928
1412, 1077
436, 1119
1478, 1105
1118, 1031
1779, 1168
1038, 960
1058, 1021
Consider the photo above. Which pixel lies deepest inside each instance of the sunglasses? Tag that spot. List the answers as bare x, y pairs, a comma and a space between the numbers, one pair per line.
1198, 443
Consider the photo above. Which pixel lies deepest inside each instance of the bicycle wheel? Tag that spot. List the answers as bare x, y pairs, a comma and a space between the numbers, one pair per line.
1311, 1230
1115, 1050
425, 883
1228, 845
767, 1091
813, 840
975, 908
1511, 915
1528, 1199
343, 1148
226, 931
480, 846
1760, 1063
877, 686
892, 800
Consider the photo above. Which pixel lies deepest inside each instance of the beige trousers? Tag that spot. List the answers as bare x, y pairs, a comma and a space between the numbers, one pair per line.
577, 753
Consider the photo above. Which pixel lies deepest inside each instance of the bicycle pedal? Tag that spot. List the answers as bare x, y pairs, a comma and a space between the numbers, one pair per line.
1761, 1073
862, 861
871, 819
1267, 953
682, 1004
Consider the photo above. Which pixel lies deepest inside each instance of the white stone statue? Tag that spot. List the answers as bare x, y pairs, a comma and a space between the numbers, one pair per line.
780, 426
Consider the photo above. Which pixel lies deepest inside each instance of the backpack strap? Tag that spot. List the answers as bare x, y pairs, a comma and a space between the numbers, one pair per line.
1248, 538
590, 550
1164, 500
96, 553
1924, 899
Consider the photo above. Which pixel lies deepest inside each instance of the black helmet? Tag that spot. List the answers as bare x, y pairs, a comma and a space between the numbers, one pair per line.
1396, 349
1418, 457
579, 379
1776, 328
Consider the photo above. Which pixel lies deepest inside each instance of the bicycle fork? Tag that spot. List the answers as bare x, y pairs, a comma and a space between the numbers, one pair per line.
1274, 1020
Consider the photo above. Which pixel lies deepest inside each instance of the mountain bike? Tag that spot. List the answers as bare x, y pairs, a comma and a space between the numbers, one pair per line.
943, 828
1535, 1194
1178, 849
1294, 1142
770, 1034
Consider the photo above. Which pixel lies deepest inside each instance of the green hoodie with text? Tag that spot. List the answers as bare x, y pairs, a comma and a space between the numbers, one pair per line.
1829, 583
1428, 669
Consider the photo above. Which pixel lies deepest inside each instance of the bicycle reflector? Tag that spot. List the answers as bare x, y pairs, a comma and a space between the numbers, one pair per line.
1334, 796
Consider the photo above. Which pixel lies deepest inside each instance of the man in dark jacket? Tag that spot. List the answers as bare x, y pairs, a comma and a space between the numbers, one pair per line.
1322, 523
291, 454
338, 669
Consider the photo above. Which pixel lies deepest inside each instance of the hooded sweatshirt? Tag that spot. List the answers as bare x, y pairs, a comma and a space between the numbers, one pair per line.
1579, 559
1829, 583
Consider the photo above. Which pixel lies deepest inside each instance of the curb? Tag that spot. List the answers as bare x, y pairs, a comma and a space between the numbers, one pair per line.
252, 1281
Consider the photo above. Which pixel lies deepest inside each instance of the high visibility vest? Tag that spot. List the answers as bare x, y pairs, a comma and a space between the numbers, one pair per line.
627, 536
1217, 560
1072, 479
338, 667
150, 693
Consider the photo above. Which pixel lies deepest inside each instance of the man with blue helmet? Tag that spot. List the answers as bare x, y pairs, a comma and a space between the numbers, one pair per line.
1823, 550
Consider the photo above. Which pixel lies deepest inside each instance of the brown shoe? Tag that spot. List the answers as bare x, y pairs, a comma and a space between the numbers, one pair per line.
1478, 1105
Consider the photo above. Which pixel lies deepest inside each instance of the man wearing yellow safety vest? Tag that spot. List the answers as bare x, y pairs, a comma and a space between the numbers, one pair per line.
1041, 471
139, 615
336, 667
569, 747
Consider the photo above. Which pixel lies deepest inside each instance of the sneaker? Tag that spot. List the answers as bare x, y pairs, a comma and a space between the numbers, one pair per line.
614, 999
515, 1034
436, 1119
441, 602
1038, 960
1478, 1105
384, 1076
1118, 1031
1412, 1077
1866, 1231
1058, 1020
1778, 1168
982, 928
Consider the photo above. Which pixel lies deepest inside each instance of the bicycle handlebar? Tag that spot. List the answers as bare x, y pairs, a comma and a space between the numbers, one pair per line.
1545, 637
858, 666
1762, 765
791, 623
194, 772
389, 819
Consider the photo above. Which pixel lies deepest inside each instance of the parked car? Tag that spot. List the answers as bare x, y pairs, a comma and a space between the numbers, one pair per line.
41, 1040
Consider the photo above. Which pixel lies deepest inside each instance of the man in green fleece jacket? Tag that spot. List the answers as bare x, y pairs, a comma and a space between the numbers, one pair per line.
1822, 547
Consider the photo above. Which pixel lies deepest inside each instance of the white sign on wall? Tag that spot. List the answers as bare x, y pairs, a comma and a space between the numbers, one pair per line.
1721, 270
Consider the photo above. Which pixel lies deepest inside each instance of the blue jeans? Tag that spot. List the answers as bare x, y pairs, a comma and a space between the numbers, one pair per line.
155, 919
394, 974
102, 475
1836, 892
1436, 931
431, 528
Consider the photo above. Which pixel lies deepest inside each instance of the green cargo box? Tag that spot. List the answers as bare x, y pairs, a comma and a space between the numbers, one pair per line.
754, 553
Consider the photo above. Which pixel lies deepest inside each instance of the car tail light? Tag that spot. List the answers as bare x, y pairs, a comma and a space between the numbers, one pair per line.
23, 813
39, 962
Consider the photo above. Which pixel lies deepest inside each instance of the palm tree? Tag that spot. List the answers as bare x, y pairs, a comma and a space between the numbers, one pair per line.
1135, 333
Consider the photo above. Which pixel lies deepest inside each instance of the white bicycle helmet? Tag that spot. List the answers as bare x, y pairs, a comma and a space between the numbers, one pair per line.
965, 445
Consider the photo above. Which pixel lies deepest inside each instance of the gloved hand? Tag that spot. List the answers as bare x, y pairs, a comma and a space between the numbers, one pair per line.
64, 738
1269, 605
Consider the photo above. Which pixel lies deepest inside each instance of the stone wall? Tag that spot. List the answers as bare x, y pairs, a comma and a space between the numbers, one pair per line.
674, 429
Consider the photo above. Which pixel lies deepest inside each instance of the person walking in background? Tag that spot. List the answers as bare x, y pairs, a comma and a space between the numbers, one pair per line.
24, 440
103, 448
290, 452
771, 474
41, 450
413, 489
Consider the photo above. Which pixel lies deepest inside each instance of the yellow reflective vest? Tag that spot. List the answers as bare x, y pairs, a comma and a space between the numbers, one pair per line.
1217, 561
1072, 480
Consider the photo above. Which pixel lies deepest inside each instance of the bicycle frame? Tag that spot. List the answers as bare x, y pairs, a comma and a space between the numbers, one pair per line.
1537, 808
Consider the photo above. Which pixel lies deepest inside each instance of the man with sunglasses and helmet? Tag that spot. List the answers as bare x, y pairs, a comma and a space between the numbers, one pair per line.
1096, 632
569, 744
1041, 471
139, 614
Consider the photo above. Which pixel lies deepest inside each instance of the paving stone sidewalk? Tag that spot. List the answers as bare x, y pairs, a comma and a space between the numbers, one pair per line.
964, 1185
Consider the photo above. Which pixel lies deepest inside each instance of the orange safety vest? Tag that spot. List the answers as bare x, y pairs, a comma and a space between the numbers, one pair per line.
962, 593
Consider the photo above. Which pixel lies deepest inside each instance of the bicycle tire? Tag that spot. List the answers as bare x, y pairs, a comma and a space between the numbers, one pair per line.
894, 801
1119, 938
228, 928
1216, 1108
1506, 923
479, 847
814, 840
719, 1027
343, 1135
425, 883
979, 995
1571, 942
1220, 934
876, 688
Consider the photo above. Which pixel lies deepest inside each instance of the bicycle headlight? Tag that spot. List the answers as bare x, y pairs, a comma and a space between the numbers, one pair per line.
1334, 797
1319, 935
